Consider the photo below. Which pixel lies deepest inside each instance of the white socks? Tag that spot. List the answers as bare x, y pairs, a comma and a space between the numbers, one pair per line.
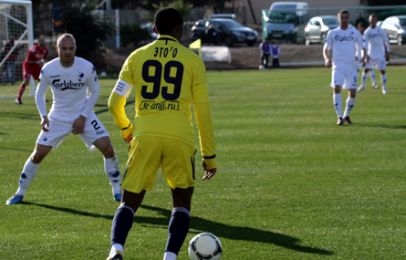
169, 256
112, 171
337, 104
28, 173
349, 106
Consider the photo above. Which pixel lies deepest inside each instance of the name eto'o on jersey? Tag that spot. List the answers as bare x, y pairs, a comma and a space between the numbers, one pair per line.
165, 51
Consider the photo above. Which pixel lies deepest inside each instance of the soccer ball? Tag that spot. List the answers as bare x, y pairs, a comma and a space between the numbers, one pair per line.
205, 246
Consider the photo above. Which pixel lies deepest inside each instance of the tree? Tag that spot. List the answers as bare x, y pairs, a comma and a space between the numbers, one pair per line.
89, 30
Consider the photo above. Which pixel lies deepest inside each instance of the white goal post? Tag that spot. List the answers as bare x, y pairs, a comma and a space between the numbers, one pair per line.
16, 22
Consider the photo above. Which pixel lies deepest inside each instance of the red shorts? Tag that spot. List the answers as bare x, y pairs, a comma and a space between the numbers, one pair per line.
31, 70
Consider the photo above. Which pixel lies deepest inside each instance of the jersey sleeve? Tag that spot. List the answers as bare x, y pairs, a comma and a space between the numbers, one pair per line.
94, 90
31, 54
116, 107
126, 73
40, 92
119, 94
386, 40
329, 40
200, 101
360, 44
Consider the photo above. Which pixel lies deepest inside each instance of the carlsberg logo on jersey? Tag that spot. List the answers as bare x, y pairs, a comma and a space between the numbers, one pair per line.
64, 85
342, 38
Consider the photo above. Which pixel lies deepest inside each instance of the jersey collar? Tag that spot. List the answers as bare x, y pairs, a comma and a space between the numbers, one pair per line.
167, 38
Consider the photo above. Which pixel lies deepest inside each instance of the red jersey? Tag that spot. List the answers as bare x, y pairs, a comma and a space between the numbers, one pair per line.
34, 61
36, 54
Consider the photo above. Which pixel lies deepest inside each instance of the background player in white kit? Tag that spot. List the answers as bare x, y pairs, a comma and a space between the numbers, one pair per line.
341, 51
361, 27
71, 79
378, 48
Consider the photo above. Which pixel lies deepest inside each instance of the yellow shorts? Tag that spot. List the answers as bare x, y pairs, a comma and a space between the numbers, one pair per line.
148, 153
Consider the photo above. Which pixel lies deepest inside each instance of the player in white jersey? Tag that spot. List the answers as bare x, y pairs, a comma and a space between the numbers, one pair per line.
378, 48
75, 90
361, 27
341, 51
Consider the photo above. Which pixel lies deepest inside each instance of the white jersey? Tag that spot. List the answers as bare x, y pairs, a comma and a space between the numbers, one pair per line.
346, 45
377, 42
75, 90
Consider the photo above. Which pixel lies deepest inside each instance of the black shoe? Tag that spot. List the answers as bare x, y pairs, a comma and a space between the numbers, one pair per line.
348, 120
340, 121
18, 101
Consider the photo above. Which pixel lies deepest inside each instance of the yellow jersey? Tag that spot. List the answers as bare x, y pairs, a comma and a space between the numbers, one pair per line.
168, 79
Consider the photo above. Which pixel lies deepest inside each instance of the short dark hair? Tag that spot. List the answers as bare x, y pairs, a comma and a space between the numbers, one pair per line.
343, 12
167, 19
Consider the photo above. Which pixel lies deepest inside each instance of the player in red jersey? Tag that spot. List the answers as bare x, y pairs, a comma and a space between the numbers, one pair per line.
32, 65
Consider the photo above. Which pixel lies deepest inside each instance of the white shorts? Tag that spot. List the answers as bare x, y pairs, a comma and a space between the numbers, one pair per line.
344, 75
377, 63
58, 130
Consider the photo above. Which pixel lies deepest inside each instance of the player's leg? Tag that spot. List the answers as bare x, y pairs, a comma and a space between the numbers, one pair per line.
95, 134
373, 78
123, 221
382, 68
337, 80
28, 173
23, 85
364, 76
351, 80
179, 222
266, 56
44, 144
178, 168
111, 167
140, 176
383, 81
349, 105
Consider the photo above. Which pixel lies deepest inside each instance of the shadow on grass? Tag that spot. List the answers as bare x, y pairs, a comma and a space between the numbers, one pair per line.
15, 149
16, 115
384, 126
200, 225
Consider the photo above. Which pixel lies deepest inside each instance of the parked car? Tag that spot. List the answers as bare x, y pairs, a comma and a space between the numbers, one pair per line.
285, 21
317, 28
395, 26
224, 31
224, 15
199, 29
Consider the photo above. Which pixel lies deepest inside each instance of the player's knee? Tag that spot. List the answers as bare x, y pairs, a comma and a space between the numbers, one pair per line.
108, 151
37, 157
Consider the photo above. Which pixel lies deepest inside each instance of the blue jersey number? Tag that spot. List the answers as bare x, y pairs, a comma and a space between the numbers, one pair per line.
152, 73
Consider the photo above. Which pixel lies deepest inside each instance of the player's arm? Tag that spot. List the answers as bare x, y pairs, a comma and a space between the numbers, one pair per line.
327, 50
201, 108
387, 45
94, 90
40, 93
93, 87
362, 52
327, 55
116, 104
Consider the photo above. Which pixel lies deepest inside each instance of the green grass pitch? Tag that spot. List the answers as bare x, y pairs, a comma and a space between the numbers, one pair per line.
290, 184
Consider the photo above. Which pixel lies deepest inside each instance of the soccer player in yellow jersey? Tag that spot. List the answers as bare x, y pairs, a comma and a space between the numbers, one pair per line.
167, 79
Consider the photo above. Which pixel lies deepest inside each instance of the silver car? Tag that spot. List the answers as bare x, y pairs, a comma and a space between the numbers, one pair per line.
395, 26
317, 28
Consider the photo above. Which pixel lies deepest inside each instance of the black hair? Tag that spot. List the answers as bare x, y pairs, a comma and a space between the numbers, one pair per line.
343, 12
167, 19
